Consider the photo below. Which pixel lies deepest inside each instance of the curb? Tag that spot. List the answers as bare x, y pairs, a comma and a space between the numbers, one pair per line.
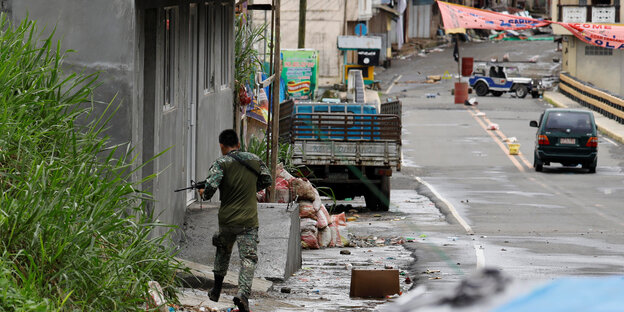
599, 125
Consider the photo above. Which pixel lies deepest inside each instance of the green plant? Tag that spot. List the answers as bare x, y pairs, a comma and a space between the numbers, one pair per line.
247, 58
258, 146
73, 231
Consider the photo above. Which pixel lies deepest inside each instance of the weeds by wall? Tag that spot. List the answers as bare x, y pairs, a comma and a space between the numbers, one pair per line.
73, 234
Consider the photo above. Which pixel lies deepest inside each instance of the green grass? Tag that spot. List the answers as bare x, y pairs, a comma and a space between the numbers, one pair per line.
73, 232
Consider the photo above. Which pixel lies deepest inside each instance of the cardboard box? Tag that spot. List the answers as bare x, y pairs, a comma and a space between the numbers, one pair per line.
374, 283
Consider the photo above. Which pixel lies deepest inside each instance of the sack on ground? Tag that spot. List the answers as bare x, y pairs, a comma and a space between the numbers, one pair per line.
306, 210
281, 172
321, 220
324, 237
335, 233
307, 224
309, 238
303, 189
326, 214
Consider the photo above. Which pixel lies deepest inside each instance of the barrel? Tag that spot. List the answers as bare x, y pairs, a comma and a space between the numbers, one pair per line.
467, 64
461, 92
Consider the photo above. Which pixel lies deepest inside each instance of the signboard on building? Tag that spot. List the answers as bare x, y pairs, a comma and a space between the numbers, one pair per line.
368, 57
300, 73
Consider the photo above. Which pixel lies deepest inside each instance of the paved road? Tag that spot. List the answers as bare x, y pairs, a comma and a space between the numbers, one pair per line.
533, 225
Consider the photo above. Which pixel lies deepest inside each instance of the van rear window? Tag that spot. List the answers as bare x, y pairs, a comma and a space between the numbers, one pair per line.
562, 121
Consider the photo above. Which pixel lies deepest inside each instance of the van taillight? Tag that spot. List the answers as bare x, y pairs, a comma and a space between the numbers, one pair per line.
592, 142
542, 140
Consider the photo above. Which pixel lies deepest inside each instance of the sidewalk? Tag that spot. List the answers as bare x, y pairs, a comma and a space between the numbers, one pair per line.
605, 125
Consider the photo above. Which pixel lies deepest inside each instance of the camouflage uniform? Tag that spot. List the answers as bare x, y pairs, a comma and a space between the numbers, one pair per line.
238, 214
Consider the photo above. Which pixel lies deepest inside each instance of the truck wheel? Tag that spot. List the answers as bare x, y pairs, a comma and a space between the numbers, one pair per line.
522, 91
379, 199
481, 88
497, 93
384, 202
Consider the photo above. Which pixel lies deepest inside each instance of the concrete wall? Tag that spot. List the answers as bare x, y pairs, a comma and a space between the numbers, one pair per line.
603, 71
123, 39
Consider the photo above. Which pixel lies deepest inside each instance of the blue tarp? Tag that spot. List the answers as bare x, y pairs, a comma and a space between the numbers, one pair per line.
604, 294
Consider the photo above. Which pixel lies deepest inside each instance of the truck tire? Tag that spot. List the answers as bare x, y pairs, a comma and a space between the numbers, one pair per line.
522, 91
481, 88
384, 203
379, 199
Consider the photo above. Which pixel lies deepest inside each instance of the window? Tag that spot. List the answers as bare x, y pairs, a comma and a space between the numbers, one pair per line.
595, 50
227, 25
169, 55
209, 47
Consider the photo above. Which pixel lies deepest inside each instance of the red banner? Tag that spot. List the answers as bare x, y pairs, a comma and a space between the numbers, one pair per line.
458, 16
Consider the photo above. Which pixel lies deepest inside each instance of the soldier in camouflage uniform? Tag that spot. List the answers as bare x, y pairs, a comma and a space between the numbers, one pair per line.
238, 176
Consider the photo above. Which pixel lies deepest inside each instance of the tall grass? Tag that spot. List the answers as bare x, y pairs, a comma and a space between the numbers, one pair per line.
73, 235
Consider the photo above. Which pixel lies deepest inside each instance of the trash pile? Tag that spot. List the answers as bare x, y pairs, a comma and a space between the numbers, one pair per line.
374, 241
319, 229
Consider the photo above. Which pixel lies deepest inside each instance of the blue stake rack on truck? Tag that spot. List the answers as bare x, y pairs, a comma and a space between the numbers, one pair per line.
351, 148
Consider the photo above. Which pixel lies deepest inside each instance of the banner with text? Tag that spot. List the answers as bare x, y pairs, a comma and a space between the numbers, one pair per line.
457, 16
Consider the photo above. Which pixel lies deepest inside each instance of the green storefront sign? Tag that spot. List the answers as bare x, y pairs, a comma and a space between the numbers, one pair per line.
300, 73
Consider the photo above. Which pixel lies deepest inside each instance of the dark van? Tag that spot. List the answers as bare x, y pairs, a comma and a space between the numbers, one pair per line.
566, 136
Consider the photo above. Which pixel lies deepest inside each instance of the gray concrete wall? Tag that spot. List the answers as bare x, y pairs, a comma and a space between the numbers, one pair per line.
603, 71
111, 37
279, 251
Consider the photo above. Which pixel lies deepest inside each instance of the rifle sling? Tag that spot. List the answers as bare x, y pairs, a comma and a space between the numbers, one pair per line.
242, 162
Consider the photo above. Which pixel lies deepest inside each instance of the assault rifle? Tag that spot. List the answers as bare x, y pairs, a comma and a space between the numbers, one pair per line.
194, 185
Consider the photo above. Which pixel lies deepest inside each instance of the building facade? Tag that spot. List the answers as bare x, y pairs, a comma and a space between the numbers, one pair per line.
168, 65
600, 67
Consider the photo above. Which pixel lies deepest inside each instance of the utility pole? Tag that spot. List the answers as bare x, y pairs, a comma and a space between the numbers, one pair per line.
277, 69
303, 7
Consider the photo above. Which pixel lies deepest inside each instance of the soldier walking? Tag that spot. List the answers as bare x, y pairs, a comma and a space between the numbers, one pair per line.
238, 176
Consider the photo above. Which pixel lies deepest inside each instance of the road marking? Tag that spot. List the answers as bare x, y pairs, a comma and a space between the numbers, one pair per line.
608, 140
502, 136
499, 142
392, 83
480, 256
454, 212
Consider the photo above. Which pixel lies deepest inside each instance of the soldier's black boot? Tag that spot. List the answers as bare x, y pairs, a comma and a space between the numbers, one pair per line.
215, 292
241, 303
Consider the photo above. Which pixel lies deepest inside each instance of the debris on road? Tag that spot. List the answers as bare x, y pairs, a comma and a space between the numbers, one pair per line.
471, 102
374, 283
493, 126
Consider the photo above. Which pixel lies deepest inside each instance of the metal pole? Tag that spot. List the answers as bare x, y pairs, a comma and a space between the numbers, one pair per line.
303, 6
276, 102
268, 131
458, 59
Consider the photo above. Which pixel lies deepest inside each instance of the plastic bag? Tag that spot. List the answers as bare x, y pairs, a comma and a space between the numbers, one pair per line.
339, 219
324, 237
306, 210
344, 235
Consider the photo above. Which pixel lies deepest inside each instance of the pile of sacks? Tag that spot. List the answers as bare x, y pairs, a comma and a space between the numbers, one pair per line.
319, 229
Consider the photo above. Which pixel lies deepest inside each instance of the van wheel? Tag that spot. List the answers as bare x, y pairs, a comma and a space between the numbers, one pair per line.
591, 166
481, 88
537, 164
522, 91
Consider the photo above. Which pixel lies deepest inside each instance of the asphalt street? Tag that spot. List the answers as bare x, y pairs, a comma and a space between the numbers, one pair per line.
500, 212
